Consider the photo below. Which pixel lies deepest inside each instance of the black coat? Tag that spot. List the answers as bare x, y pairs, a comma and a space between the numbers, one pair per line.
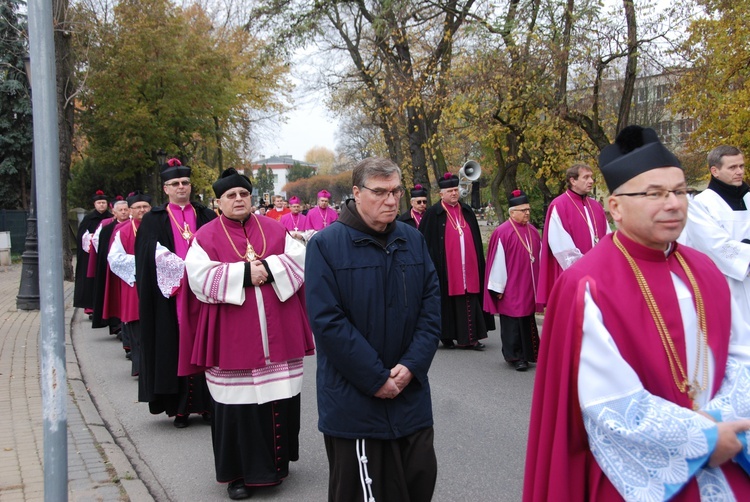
83, 296
158, 315
100, 280
432, 227
407, 218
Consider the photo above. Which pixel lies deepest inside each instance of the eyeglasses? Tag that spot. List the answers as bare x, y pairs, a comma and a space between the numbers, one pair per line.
657, 193
382, 193
420, 202
244, 194
522, 210
175, 184
140, 207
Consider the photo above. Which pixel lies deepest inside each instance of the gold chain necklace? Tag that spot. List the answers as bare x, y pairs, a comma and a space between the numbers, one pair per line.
458, 223
529, 246
675, 364
135, 229
250, 251
593, 219
184, 231
323, 216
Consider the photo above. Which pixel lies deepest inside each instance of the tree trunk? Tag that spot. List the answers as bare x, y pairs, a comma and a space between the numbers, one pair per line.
65, 104
630, 68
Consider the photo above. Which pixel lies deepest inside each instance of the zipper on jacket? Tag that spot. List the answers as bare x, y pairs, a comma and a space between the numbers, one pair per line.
403, 277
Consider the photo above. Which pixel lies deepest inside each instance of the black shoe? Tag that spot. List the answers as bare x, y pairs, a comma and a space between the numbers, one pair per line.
207, 417
521, 365
181, 421
448, 344
237, 490
479, 346
127, 355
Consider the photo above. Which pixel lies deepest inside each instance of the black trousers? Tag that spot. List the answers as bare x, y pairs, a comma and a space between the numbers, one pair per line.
399, 470
520, 338
131, 331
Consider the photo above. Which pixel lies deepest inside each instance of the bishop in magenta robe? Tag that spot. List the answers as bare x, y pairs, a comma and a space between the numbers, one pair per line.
250, 337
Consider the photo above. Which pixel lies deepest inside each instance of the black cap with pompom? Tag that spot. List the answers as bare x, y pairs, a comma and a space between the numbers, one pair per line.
635, 151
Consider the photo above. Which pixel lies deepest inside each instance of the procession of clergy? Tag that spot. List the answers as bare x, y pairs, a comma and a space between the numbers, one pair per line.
642, 382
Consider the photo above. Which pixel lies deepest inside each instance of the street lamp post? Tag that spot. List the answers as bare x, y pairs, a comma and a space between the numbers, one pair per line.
28, 290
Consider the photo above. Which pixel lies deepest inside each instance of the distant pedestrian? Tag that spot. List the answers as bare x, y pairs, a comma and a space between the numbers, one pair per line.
575, 223
512, 276
321, 216
418, 203
455, 244
83, 294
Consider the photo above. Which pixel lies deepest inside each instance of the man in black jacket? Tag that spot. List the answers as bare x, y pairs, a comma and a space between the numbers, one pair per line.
373, 305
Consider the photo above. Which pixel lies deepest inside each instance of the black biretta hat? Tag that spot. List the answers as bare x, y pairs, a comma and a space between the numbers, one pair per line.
449, 180
516, 198
635, 151
137, 196
172, 169
230, 178
418, 191
99, 195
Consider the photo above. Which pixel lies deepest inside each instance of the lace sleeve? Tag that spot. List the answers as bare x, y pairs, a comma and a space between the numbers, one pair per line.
170, 269
648, 447
120, 262
86, 241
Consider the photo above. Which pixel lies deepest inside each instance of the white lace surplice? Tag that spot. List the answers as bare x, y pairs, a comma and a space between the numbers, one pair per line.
648, 447
121, 263
169, 270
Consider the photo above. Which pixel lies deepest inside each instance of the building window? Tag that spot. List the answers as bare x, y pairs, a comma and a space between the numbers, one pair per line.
642, 94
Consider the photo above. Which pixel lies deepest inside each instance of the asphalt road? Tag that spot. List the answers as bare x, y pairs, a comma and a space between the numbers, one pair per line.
481, 408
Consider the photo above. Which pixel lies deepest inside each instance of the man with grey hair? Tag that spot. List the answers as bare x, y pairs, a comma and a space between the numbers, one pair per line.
719, 221
374, 307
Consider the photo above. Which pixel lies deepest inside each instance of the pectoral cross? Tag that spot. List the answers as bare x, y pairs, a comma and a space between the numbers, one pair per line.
250, 254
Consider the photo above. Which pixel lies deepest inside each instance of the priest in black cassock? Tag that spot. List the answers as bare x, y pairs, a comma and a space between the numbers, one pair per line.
83, 295
166, 302
455, 244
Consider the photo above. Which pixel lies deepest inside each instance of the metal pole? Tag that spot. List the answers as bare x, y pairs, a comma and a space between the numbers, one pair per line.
52, 333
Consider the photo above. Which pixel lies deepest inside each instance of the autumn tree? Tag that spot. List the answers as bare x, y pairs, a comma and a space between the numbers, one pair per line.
713, 87
159, 76
321, 157
339, 185
399, 56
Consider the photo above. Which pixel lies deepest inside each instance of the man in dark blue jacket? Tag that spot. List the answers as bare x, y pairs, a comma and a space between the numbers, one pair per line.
373, 301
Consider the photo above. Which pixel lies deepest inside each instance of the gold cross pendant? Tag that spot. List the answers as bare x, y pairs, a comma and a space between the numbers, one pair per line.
250, 254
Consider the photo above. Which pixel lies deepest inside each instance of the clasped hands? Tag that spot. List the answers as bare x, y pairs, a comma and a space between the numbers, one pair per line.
258, 273
397, 381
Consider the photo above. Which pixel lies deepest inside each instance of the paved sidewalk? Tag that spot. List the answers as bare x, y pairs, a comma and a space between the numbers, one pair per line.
97, 468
